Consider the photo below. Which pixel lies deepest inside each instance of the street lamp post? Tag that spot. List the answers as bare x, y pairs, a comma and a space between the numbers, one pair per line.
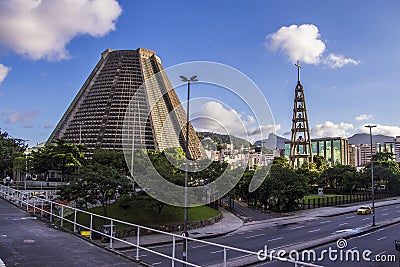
185, 213
372, 175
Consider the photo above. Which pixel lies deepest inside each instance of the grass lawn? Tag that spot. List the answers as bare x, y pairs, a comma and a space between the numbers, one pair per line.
325, 198
142, 213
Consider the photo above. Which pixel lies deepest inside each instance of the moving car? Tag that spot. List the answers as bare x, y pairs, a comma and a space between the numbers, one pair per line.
364, 210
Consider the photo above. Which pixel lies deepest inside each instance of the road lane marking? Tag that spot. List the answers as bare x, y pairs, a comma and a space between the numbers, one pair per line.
385, 209
274, 239
343, 224
239, 257
298, 227
157, 263
381, 238
312, 231
365, 219
325, 222
384, 214
218, 251
349, 217
379, 254
200, 246
254, 235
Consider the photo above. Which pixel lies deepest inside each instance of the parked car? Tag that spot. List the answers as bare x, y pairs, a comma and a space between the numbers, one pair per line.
364, 210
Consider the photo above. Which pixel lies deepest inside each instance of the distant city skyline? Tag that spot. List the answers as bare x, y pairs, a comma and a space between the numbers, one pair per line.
349, 63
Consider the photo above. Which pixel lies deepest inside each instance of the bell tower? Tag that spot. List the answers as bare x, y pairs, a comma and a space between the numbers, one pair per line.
300, 144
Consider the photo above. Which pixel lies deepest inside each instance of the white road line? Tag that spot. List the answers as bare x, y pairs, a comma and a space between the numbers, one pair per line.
254, 235
144, 255
325, 222
398, 211
384, 214
350, 217
312, 231
343, 224
274, 239
385, 209
218, 251
365, 219
380, 253
157, 263
160, 246
200, 246
298, 227
239, 257
381, 238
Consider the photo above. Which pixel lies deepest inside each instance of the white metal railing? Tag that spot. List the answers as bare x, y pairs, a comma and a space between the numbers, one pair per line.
58, 213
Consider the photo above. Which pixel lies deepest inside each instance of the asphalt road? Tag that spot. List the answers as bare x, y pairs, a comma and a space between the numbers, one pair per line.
26, 241
372, 249
254, 237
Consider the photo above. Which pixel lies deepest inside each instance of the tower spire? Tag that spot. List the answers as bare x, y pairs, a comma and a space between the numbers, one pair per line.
300, 144
298, 70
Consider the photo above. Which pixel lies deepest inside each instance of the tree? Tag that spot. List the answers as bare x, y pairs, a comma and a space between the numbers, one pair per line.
102, 182
10, 148
386, 172
344, 178
283, 187
62, 156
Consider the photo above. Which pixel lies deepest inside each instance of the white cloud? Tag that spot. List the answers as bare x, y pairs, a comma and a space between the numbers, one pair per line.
330, 129
303, 43
364, 117
19, 117
40, 29
338, 61
382, 129
4, 70
215, 117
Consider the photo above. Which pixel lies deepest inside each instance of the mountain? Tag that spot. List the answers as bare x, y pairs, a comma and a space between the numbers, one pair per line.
272, 142
358, 139
224, 138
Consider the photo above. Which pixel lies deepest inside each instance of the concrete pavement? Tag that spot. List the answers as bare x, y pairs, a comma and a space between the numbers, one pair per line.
27, 241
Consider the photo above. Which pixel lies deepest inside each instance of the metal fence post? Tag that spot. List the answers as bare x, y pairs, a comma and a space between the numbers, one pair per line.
41, 211
111, 233
224, 256
74, 220
173, 251
62, 216
137, 242
51, 211
91, 224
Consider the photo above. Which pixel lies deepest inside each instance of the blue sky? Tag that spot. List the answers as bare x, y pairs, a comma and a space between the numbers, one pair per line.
348, 50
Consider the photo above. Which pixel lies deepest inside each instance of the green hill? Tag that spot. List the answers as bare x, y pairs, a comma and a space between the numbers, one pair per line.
224, 138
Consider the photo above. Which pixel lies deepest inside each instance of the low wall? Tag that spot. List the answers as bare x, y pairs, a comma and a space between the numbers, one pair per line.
170, 228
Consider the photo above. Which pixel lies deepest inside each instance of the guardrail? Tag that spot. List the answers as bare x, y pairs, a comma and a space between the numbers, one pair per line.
66, 216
